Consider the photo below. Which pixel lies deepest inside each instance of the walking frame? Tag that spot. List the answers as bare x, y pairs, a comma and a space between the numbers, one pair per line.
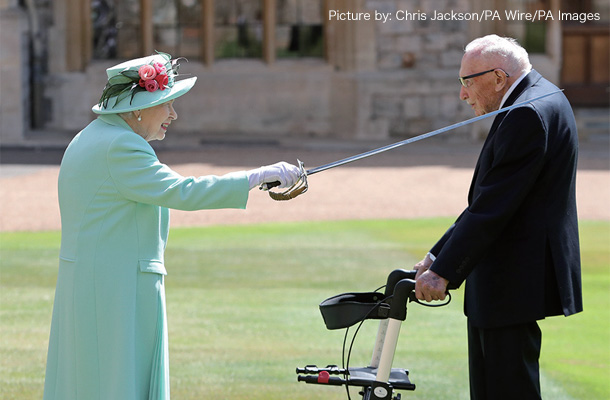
379, 380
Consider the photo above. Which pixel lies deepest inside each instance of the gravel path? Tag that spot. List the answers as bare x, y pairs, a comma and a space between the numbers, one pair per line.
419, 180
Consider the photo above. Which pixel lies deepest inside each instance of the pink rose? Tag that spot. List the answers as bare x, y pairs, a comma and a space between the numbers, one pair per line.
142, 82
147, 72
160, 68
162, 80
151, 85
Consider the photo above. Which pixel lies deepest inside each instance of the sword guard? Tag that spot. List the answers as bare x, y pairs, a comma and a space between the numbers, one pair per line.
295, 190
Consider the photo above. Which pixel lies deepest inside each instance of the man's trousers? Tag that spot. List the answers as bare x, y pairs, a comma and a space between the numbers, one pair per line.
503, 362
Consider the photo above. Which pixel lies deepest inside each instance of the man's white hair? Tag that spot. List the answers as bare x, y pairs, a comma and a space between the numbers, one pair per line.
506, 52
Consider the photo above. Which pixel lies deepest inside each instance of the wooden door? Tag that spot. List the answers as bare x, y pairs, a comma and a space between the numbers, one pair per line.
585, 73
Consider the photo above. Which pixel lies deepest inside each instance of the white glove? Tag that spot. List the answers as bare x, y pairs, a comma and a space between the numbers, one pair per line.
284, 173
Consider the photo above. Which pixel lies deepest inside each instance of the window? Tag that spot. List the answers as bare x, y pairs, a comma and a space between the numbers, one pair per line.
299, 28
116, 29
208, 29
105, 29
238, 29
176, 27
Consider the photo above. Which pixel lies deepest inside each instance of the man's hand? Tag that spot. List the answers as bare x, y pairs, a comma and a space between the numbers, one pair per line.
430, 286
423, 265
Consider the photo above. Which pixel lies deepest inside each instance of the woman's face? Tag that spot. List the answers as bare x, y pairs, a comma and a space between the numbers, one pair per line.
156, 120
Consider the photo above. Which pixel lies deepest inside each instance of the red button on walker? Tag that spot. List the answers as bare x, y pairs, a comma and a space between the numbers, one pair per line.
323, 377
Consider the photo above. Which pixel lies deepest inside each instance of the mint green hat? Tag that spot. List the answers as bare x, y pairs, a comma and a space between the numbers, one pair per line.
142, 83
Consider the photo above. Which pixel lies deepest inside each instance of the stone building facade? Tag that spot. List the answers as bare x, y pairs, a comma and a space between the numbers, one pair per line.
371, 78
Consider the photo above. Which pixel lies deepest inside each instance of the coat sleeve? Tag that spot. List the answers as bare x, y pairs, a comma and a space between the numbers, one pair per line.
519, 149
140, 177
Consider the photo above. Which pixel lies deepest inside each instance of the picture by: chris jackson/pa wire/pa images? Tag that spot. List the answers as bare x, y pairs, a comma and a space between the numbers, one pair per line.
483, 15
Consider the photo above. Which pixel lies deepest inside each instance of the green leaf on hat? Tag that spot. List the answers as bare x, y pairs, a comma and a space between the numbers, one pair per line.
112, 90
135, 90
131, 74
116, 89
121, 96
119, 79
164, 55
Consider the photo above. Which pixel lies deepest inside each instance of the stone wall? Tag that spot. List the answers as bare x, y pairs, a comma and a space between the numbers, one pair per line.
413, 87
231, 97
379, 80
14, 76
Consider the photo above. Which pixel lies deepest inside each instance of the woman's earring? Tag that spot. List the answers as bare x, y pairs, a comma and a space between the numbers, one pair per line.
140, 117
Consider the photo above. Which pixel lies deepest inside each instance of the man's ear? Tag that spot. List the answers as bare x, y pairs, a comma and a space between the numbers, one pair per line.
501, 80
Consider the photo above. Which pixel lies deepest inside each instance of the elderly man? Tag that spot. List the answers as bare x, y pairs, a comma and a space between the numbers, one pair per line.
516, 244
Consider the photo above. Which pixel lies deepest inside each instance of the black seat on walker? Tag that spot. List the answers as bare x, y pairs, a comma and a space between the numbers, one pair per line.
347, 309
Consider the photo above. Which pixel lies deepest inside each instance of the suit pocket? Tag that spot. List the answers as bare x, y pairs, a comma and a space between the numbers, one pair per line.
152, 266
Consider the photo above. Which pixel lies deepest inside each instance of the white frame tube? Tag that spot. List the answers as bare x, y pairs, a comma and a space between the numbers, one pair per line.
389, 348
381, 332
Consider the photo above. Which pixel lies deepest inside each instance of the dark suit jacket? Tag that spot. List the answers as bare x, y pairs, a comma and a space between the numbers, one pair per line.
516, 244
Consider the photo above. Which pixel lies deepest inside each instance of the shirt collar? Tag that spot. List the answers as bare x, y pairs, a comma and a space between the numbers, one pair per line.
513, 86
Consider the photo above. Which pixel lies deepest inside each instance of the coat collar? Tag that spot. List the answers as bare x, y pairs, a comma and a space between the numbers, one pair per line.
530, 79
115, 120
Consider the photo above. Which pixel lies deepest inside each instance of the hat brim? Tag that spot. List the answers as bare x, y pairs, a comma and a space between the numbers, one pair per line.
146, 99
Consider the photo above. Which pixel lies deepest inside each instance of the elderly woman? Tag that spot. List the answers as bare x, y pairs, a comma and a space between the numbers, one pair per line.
109, 331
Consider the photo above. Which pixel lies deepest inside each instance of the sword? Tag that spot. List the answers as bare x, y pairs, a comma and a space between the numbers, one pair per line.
301, 186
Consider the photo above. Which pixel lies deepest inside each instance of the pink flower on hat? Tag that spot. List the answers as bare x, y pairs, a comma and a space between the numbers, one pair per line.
151, 85
147, 72
159, 68
162, 80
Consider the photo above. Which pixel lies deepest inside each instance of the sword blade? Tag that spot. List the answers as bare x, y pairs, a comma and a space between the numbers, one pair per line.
422, 136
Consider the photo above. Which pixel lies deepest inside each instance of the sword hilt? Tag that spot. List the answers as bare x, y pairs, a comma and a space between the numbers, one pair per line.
270, 185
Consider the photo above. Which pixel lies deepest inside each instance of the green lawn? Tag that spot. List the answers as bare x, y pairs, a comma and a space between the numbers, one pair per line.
243, 311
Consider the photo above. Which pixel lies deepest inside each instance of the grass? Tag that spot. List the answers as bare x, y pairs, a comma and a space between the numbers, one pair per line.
243, 311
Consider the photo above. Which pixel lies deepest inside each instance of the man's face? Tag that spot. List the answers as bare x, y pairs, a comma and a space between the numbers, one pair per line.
482, 93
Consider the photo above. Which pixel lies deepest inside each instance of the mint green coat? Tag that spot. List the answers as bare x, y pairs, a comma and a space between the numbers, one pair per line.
109, 330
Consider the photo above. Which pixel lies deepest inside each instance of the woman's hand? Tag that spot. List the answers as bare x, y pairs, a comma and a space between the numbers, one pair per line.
284, 173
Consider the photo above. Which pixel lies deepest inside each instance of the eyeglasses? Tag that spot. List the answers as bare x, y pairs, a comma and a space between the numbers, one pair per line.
464, 80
